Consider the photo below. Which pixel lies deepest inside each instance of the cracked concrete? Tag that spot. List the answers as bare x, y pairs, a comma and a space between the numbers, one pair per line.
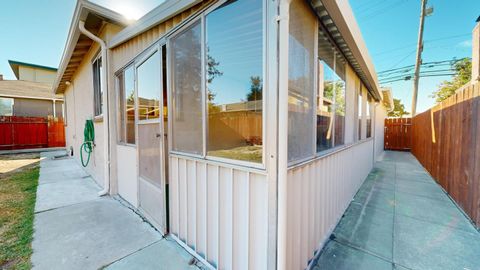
76, 229
401, 219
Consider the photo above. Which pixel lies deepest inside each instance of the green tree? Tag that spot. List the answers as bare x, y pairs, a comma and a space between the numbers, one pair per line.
398, 109
463, 74
255, 89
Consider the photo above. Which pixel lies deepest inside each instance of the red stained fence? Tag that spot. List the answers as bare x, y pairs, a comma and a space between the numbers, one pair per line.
17, 132
398, 134
446, 141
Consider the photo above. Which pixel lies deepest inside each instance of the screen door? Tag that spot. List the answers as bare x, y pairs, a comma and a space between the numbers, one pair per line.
151, 168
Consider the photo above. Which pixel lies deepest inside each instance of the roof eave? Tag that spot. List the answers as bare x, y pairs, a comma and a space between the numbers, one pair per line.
82, 9
161, 13
342, 16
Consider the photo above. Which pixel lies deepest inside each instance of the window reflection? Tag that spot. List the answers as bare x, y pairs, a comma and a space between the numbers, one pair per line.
331, 96
187, 91
234, 67
301, 78
148, 76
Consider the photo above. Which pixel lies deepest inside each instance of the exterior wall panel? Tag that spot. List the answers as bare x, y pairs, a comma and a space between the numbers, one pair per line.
127, 174
319, 193
220, 212
380, 115
127, 51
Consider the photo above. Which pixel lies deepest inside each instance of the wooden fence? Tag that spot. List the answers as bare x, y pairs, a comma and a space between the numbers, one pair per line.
17, 132
446, 141
398, 134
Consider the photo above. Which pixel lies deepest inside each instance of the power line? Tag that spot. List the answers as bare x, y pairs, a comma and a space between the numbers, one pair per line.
452, 61
426, 41
407, 79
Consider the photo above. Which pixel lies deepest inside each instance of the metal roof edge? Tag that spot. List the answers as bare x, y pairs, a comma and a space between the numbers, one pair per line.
342, 15
162, 12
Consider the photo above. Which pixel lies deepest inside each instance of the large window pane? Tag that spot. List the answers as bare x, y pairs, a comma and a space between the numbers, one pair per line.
301, 81
369, 116
234, 70
126, 108
339, 90
148, 87
6, 106
331, 96
360, 117
187, 131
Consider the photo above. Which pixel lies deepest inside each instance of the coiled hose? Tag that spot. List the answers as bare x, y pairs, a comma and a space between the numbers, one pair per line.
88, 138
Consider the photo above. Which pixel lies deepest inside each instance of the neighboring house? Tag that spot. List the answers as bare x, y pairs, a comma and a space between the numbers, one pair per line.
181, 136
31, 94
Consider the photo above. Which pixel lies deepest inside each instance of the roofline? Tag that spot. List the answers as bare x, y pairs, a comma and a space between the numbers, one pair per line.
161, 13
30, 97
13, 62
344, 19
82, 9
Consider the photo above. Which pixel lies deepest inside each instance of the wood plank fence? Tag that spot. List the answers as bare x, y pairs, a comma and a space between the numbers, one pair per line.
398, 134
446, 141
17, 132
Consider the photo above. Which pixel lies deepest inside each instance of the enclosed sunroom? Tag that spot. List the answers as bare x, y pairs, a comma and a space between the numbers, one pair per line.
240, 128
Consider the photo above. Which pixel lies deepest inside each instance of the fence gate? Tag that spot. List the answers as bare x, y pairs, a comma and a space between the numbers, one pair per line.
398, 134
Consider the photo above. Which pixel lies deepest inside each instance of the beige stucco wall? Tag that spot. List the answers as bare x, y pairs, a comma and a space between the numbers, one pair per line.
379, 129
36, 75
79, 108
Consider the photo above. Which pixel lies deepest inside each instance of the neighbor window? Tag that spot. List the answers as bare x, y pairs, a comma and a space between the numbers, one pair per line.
126, 108
97, 87
234, 77
187, 97
6, 106
331, 96
301, 81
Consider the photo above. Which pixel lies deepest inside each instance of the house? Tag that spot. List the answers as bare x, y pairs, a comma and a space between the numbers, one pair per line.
241, 128
31, 94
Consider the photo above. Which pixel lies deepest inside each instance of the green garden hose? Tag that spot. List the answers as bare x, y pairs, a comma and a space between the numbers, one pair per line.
88, 138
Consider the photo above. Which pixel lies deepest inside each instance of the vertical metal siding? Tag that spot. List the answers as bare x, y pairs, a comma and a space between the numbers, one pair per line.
319, 193
127, 51
221, 212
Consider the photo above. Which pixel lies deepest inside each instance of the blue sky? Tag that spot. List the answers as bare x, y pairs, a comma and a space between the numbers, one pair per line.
390, 30
35, 32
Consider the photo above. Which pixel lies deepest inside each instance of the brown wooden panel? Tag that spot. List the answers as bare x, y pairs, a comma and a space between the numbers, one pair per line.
398, 134
446, 141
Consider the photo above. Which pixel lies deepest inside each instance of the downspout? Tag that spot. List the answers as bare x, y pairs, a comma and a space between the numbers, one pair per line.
283, 40
103, 75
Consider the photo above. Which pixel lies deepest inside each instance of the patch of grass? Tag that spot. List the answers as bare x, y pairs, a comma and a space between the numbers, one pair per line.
17, 203
247, 153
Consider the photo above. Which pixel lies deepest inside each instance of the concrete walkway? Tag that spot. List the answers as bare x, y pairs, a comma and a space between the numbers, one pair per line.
401, 219
75, 229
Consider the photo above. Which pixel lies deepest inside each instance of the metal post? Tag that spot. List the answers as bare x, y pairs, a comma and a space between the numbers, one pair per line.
419, 58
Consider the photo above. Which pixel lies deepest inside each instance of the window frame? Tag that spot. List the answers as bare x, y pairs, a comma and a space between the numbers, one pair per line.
336, 51
11, 105
201, 17
122, 127
97, 86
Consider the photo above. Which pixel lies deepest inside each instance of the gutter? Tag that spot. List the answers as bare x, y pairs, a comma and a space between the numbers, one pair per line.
104, 81
283, 43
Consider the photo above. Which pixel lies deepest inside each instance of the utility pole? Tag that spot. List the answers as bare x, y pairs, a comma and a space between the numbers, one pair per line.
424, 12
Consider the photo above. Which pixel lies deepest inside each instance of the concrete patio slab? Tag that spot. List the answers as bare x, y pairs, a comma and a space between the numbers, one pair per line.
401, 218
342, 257
164, 254
367, 228
66, 192
76, 229
88, 235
